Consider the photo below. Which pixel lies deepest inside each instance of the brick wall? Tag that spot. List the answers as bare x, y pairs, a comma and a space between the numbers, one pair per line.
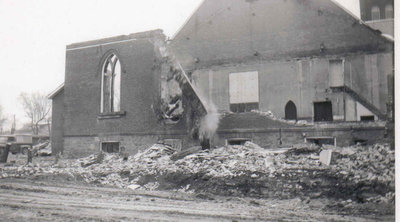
239, 30
84, 146
140, 88
57, 130
281, 137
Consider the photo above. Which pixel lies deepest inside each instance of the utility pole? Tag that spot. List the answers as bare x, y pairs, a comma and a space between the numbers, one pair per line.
13, 126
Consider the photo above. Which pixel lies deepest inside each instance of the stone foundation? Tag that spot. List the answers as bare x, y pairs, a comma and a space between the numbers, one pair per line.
341, 135
76, 147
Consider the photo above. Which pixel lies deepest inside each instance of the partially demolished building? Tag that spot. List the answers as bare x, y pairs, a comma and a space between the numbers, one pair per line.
273, 72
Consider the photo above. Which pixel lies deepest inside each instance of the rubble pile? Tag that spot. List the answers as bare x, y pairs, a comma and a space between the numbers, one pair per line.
233, 161
369, 166
364, 173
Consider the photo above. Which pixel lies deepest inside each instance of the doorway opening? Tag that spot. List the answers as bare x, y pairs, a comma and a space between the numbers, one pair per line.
290, 111
323, 111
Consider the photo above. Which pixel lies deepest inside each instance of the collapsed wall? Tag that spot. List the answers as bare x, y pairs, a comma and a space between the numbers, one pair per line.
179, 99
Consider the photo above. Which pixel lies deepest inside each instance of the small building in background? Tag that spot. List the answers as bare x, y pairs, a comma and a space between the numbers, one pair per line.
379, 14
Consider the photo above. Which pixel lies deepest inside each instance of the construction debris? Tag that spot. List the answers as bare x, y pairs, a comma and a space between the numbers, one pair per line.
271, 115
361, 173
325, 157
44, 150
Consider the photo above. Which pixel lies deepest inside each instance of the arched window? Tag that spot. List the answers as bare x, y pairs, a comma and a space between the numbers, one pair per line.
290, 111
389, 13
375, 13
111, 85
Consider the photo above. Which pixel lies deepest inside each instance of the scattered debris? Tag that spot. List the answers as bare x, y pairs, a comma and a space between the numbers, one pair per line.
92, 159
270, 115
44, 149
325, 157
186, 152
360, 173
133, 186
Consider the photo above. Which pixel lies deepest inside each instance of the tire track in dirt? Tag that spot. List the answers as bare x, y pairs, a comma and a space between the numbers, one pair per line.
22, 200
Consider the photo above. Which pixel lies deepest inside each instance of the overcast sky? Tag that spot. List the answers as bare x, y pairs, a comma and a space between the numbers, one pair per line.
33, 36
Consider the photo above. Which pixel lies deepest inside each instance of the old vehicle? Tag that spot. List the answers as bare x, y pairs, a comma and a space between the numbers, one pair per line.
21, 144
17, 143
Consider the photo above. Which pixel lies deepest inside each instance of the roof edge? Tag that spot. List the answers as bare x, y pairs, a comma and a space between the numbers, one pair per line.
187, 20
345, 9
363, 23
56, 91
132, 36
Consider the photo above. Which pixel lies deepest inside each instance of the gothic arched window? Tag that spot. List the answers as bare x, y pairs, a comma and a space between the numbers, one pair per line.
290, 111
111, 85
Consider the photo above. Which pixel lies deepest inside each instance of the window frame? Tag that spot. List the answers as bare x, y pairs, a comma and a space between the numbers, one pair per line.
332, 78
108, 143
244, 106
114, 66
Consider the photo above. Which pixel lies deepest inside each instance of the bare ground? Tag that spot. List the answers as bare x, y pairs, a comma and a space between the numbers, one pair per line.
44, 199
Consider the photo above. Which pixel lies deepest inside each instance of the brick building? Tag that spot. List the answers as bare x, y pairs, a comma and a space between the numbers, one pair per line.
300, 59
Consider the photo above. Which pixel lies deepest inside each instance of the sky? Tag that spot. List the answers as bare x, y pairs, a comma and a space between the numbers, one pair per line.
34, 34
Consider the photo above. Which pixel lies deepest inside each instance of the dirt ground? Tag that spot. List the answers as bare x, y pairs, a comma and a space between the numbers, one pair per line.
50, 199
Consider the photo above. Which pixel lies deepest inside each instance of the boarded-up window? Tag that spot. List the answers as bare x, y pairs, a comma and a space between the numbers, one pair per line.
336, 73
243, 91
375, 13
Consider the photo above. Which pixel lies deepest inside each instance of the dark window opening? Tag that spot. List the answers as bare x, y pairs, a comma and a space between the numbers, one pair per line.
11, 139
237, 141
367, 118
110, 147
243, 107
290, 111
205, 144
322, 141
323, 111
360, 142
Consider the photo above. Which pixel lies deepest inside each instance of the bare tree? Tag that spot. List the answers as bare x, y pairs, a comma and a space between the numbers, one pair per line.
37, 107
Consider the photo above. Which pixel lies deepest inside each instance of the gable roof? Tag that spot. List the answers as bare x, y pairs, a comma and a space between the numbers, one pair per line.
229, 30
